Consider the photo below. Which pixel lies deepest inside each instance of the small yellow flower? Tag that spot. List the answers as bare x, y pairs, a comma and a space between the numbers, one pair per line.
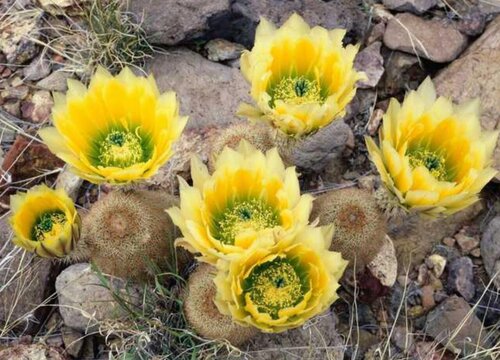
119, 130
277, 285
433, 156
45, 221
248, 193
302, 78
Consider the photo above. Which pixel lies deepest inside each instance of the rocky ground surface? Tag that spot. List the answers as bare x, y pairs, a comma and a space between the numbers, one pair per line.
431, 295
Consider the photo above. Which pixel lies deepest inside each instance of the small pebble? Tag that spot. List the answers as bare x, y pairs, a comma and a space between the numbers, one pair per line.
466, 243
436, 263
449, 241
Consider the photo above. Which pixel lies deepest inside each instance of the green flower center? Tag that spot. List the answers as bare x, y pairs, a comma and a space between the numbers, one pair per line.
120, 149
434, 162
297, 90
275, 285
243, 215
49, 223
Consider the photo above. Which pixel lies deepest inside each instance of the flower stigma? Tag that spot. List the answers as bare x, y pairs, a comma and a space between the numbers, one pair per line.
273, 286
297, 90
48, 224
120, 149
243, 215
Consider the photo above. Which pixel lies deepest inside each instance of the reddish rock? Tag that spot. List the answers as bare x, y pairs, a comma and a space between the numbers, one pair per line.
27, 158
38, 108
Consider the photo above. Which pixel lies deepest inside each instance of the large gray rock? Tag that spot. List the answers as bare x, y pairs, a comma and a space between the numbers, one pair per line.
345, 14
26, 281
454, 324
318, 339
490, 250
477, 74
169, 22
316, 151
414, 6
435, 39
84, 301
208, 92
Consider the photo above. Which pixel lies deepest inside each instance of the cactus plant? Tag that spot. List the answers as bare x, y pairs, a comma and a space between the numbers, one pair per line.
360, 226
203, 316
259, 135
127, 230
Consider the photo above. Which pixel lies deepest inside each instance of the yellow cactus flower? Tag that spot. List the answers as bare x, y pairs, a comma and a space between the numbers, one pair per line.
277, 285
248, 193
302, 78
119, 130
433, 156
45, 221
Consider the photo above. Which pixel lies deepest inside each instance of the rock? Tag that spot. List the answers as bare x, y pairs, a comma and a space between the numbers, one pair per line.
385, 264
16, 31
73, 341
376, 34
490, 250
57, 81
477, 74
70, 183
466, 243
27, 158
173, 21
32, 352
84, 301
371, 63
427, 297
315, 152
402, 71
317, 339
416, 238
344, 14
13, 107
402, 338
449, 241
461, 277
374, 122
37, 69
38, 108
417, 36
28, 282
414, 6
454, 324
360, 339
476, 253
223, 50
15, 92
436, 263
200, 84
472, 23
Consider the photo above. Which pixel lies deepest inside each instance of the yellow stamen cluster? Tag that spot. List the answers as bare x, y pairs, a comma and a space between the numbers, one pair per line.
120, 149
243, 215
297, 91
274, 285
49, 224
434, 162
